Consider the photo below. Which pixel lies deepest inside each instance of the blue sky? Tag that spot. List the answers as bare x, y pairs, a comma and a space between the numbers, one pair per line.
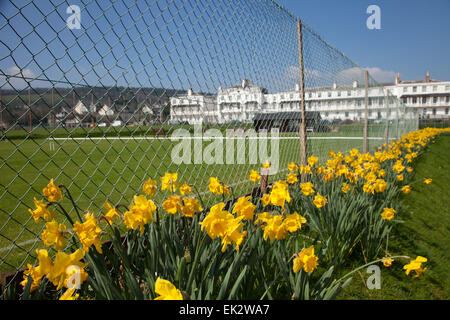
205, 44
414, 37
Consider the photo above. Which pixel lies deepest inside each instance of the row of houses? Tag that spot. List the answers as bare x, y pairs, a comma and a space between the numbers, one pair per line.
81, 115
428, 98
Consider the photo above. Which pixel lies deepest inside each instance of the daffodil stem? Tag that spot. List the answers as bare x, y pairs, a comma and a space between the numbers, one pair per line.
71, 200
63, 211
368, 264
198, 195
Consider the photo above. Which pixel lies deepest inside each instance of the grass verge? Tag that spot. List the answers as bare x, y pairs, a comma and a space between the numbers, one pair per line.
425, 231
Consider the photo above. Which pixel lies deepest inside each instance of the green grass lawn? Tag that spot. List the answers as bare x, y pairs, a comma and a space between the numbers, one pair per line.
425, 232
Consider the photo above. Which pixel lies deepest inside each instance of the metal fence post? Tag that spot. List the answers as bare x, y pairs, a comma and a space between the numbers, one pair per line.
302, 129
366, 115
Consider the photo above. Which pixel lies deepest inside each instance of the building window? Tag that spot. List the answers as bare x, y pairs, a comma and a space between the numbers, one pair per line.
434, 88
339, 93
414, 89
424, 88
434, 111
435, 99
405, 89
349, 93
424, 100
346, 114
446, 110
329, 94
447, 99
319, 94
414, 100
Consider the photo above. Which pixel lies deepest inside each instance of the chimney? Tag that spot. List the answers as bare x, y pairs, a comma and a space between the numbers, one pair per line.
334, 85
427, 78
397, 78
355, 84
189, 93
297, 87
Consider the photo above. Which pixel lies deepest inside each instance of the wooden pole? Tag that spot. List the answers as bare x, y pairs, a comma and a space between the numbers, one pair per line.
1, 111
386, 133
53, 111
30, 119
366, 115
302, 129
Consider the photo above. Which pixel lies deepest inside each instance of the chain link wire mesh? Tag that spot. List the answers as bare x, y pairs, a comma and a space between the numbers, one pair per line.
95, 99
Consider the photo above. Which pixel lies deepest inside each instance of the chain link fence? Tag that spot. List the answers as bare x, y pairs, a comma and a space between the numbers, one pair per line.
97, 95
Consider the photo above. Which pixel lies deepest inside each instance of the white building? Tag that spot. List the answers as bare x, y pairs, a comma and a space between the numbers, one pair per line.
428, 98
193, 108
80, 108
105, 111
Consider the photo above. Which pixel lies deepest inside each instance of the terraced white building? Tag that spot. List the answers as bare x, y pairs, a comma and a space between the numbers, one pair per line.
429, 98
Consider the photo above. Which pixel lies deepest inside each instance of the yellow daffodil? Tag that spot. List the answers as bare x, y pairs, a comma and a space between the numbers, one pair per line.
312, 160
254, 176
173, 204
265, 199
379, 185
292, 166
279, 194
41, 211
406, 189
291, 178
266, 164
89, 232
387, 262
169, 182
185, 189
150, 187
307, 188
215, 186
306, 260
52, 192
190, 207
293, 222
53, 234
275, 228
140, 213
68, 295
244, 208
320, 201
66, 267
166, 290
345, 187
416, 266
111, 212
388, 213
